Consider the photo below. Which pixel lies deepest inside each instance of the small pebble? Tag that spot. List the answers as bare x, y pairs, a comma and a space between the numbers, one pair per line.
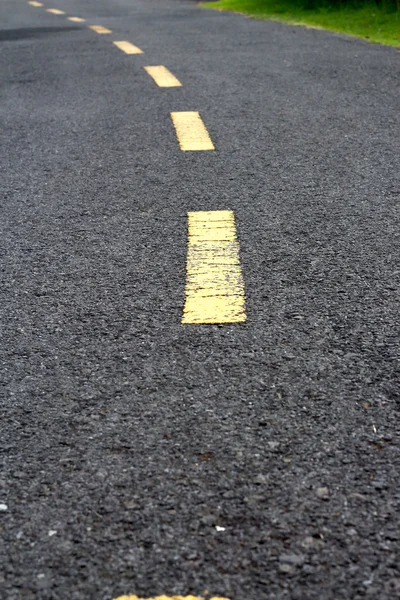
292, 559
3, 507
286, 568
308, 542
273, 445
322, 492
261, 479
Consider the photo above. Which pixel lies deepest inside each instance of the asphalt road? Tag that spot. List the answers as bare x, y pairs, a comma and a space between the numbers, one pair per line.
256, 460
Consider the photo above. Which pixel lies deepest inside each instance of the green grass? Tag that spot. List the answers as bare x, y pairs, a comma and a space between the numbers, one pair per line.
368, 21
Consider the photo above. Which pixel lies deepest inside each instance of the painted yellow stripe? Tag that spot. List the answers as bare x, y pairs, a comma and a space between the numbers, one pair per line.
33, 3
191, 132
76, 19
55, 11
163, 77
128, 48
100, 29
214, 282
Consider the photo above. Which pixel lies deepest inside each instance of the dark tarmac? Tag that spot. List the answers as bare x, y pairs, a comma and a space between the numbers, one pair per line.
142, 456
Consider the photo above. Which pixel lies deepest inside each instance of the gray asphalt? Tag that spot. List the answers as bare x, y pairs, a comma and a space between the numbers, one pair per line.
127, 437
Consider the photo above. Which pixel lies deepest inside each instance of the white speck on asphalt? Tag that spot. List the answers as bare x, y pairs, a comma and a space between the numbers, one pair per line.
3, 507
322, 492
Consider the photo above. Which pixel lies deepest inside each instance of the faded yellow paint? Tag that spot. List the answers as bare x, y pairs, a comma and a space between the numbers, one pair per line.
128, 48
216, 278
163, 77
214, 291
100, 29
33, 3
55, 11
133, 597
191, 132
76, 19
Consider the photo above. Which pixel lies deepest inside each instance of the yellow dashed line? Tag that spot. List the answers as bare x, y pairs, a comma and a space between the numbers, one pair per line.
133, 597
214, 284
55, 11
163, 77
128, 48
100, 29
191, 132
33, 3
76, 19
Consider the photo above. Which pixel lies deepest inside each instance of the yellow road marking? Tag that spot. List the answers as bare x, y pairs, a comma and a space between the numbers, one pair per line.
76, 19
214, 282
133, 597
33, 3
55, 11
100, 29
191, 132
128, 48
163, 77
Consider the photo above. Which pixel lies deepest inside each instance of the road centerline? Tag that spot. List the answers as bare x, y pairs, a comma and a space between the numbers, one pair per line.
191, 131
99, 29
214, 291
162, 76
128, 48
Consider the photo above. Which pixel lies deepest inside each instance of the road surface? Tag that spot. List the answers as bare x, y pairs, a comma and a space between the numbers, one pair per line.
148, 451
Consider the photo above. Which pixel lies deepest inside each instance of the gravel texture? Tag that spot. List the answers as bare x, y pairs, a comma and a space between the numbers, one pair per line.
258, 461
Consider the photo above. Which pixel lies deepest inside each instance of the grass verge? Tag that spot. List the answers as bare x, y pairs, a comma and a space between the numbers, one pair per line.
369, 21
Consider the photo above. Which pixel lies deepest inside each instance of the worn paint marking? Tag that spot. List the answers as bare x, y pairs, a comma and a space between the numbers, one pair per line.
33, 3
55, 11
133, 597
76, 19
191, 132
214, 291
163, 77
128, 48
100, 29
